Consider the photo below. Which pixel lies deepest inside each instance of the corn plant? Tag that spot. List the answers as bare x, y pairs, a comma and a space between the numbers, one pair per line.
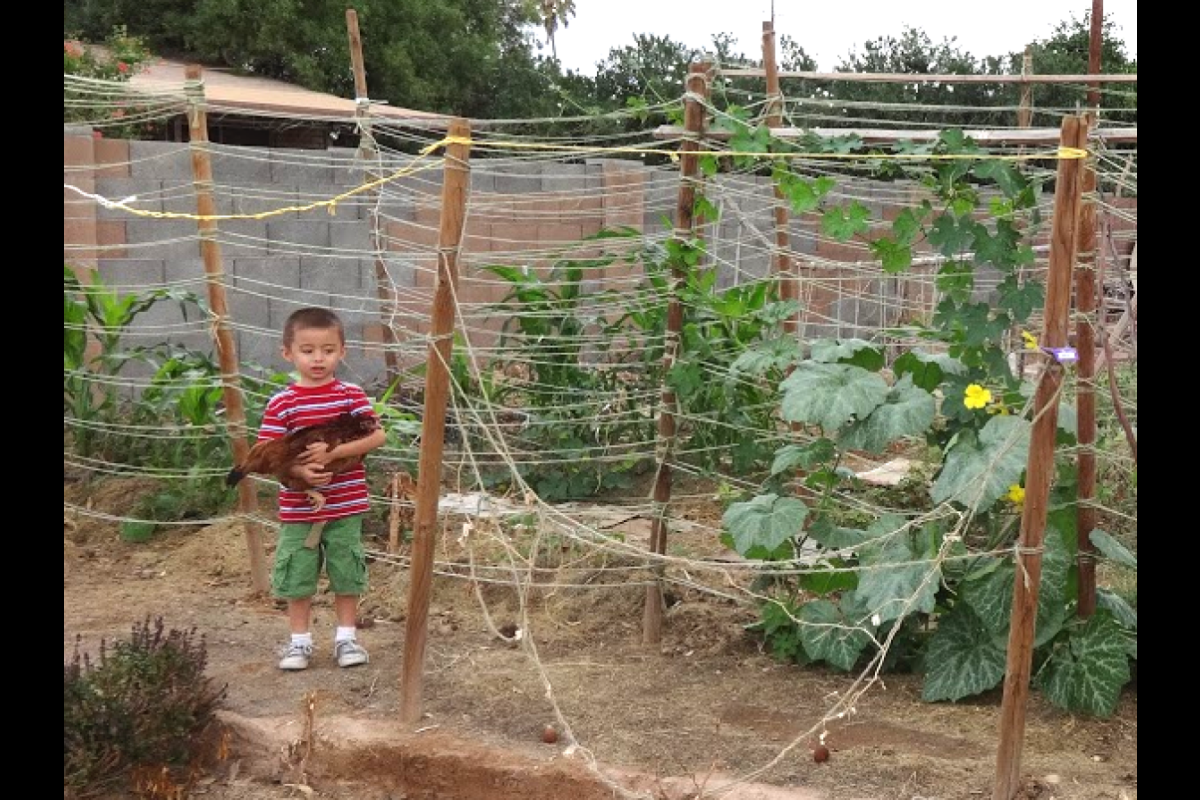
95, 320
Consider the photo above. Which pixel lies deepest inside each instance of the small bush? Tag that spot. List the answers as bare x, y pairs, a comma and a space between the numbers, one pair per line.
144, 703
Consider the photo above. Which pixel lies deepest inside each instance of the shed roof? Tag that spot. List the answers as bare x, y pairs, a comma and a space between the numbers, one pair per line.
227, 91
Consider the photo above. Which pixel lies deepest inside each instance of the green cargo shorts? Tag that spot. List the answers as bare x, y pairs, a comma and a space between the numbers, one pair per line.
340, 552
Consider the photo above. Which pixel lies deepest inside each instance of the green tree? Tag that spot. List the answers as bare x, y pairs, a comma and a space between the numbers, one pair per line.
914, 52
299, 41
447, 56
1065, 52
480, 58
652, 68
163, 24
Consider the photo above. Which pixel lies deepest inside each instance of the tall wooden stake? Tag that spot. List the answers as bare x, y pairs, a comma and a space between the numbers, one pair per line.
1095, 47
366, 151
689, 168
1025, 110
1085, 403
1085, 342
214, 273
455, 184
785, 270
1040, 468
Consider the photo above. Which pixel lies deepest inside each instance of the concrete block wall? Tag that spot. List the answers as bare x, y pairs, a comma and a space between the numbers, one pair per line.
519, 213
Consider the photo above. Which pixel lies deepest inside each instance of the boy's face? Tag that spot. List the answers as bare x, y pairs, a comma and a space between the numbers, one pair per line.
316, 353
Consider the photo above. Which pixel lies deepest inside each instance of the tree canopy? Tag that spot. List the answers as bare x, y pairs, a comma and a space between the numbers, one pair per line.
484, 59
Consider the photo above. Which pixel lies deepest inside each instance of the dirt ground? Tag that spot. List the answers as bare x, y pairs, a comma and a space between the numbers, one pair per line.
683, 721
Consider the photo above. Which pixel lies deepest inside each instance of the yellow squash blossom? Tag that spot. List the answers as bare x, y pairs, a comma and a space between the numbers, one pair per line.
1016, 494
976, 396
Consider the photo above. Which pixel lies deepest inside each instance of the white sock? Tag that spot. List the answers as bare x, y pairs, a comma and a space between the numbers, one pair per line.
344, 634
302, 639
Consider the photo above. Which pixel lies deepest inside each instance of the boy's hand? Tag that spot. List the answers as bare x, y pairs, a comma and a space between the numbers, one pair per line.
316, 454
312, 474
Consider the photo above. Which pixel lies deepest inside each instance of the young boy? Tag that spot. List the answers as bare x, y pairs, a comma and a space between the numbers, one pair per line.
314, 341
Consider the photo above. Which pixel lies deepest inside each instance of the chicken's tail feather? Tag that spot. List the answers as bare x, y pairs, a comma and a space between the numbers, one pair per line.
234, 477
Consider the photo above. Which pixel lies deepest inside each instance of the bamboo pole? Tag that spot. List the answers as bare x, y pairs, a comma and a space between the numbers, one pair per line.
455, 184
1085, 342
366, 150
697, 82
784, 268
1040, 469
214, 273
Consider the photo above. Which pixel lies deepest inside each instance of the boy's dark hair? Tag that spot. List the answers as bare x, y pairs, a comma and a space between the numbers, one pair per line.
311, 318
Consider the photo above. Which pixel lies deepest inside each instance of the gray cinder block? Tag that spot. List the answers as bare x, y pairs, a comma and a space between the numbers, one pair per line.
241, 166
301, 167
132, 272
162, 238
297, 236
165, 161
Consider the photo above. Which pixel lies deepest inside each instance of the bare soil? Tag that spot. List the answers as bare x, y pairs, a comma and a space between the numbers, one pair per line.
683, 720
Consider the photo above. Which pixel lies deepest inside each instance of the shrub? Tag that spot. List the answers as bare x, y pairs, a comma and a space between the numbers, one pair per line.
92, 91
145, 703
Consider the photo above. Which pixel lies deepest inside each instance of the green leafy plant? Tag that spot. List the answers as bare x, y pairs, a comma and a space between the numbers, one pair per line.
183, 411
892, 573
402, 427
101, 315
580, 413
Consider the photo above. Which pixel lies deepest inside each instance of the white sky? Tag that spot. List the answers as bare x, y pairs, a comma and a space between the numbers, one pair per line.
827, 30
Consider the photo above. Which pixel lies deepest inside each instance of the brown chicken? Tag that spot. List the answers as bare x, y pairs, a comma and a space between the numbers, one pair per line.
278, 456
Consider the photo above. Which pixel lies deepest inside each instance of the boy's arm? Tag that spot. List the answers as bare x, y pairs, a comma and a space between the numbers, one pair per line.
358, 447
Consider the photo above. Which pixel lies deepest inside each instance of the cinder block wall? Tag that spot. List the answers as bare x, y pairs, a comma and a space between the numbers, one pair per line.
519, 213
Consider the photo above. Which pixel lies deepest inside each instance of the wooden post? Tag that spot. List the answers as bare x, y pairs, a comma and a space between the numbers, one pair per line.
394, 515
455, 184
214, 273
1024, 120
1085, 402
697, 82
1085, 343
785, 270
1095, 46
366, 151
1025, 110
1040, 469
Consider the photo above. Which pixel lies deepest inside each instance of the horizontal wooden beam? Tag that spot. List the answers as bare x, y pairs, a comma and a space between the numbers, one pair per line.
904, 77
1021, 136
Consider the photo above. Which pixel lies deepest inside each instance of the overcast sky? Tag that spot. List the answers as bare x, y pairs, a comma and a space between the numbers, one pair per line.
826, 29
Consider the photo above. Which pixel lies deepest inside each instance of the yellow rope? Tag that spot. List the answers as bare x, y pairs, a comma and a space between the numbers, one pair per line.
331, 203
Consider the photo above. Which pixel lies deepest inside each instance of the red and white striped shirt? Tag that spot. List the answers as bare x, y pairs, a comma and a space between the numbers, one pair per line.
299, 407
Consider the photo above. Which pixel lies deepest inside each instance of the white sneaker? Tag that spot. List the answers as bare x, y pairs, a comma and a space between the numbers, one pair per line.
296, 656
350, 653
